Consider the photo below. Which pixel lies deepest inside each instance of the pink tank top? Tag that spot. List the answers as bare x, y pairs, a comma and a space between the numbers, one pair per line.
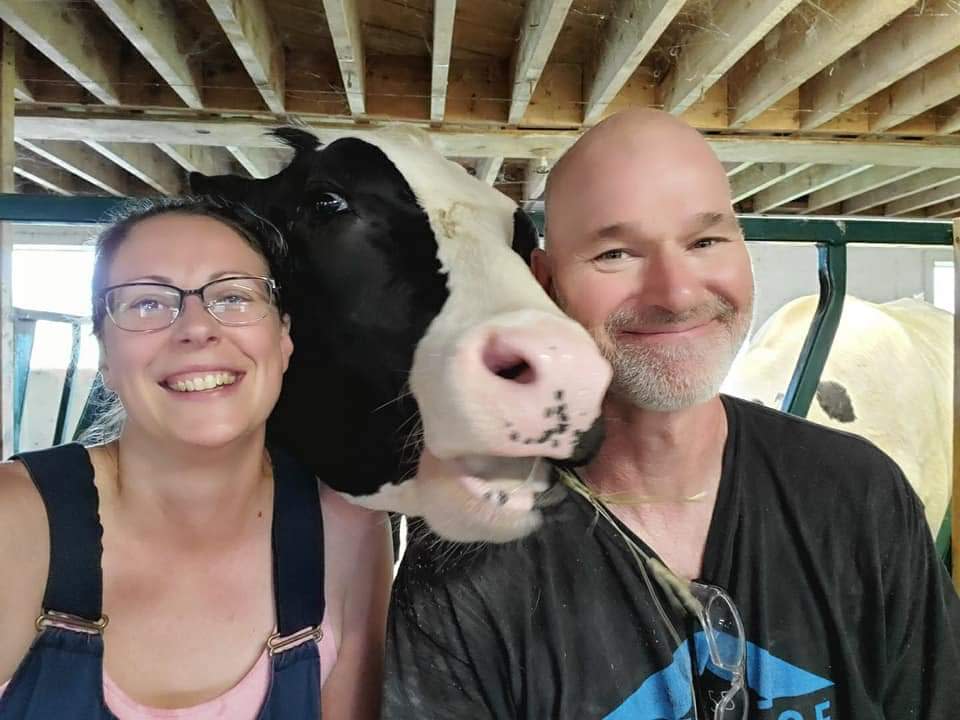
241, 702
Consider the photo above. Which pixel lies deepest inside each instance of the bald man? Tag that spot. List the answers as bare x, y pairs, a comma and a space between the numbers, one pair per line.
723, 560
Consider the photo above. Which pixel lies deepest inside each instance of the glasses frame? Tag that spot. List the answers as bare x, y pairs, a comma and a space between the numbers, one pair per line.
183, 295
705, 594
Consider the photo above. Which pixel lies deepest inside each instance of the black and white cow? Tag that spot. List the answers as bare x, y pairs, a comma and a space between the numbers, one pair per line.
412, 306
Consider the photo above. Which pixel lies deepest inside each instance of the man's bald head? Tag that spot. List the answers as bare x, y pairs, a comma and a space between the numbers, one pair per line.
636, 141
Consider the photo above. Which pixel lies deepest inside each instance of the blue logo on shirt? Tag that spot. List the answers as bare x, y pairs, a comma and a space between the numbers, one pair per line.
667, 695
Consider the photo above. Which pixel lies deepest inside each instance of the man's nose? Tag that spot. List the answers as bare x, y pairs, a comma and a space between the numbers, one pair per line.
670, 281
195, 324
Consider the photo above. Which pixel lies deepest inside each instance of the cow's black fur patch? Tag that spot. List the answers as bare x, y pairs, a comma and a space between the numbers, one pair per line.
835, 401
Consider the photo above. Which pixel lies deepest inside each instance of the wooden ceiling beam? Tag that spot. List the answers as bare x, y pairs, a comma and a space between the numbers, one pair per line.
791, 55
76, 158
261, 162
736, 168
155, 30
952, 122
250, 30
196, 158
762, 176
857, 185
902, 188
488, 169
50, 177
188, 129
629, 34
20, 90
444, 12
343, 19
711, 51
902, 47
804, 183
944, 209
65, 34
934, 196
922, 90
145, 162
542, 21
535, 179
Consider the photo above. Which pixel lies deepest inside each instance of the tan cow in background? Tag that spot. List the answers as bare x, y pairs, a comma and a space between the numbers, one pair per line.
889, 378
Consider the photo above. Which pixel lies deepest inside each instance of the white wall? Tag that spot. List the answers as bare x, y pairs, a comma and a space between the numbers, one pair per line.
876, 273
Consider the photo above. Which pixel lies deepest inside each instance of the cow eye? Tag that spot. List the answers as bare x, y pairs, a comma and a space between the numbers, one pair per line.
329, 203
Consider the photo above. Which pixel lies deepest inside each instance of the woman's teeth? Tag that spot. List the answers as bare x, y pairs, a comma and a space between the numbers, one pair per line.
203, 382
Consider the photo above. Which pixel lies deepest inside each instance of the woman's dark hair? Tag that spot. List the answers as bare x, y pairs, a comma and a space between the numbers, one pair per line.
259, 233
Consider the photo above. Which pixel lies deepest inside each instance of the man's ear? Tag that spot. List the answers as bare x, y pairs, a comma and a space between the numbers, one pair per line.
286, 342
542, 268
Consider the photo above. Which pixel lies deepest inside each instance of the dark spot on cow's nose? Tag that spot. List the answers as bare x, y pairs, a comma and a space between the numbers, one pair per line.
835, 401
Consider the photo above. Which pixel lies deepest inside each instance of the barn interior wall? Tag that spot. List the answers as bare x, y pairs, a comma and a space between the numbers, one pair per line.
878, 274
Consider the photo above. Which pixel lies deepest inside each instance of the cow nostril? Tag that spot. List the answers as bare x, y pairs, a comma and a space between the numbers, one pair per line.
507, 364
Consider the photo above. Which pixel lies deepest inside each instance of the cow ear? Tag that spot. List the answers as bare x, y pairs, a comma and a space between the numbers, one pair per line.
525, 236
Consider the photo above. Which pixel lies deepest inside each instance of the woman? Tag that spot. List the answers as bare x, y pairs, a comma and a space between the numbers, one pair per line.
216, 570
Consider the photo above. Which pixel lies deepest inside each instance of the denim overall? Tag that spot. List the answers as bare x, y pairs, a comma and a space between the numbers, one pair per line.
62, 675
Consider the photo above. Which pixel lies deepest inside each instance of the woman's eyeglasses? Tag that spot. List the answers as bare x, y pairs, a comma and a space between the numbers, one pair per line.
147, 307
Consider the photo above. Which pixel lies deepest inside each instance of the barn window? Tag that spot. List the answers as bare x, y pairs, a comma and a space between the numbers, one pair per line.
943, 290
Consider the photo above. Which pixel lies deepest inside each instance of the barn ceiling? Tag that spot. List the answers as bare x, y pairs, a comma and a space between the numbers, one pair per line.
815, 106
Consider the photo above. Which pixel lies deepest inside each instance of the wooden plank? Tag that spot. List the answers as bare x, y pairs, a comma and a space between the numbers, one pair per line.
488, 169
629, 35
191, 129
444, 12
736, 168
952, 122
902, 188
535, 179
762, 176
65, 34
145, 162
917, 92
84, 163
250, 30
804, 183
542, 21
8, 154
343, 19
154, 29
904, 46
955, 497
194, 158
857, 185
933, 196
707, 54
943, 210
798, 51
261, 162
50, 177
21, 91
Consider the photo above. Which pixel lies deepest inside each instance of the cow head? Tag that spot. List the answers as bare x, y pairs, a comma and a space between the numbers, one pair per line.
431, 375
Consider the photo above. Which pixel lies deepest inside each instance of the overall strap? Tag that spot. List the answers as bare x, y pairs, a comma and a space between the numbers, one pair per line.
63, 476
297, 546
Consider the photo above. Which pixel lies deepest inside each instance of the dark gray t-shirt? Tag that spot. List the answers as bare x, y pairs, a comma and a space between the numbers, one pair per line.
816, 535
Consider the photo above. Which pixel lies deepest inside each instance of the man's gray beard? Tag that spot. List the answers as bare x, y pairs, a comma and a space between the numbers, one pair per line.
676, 376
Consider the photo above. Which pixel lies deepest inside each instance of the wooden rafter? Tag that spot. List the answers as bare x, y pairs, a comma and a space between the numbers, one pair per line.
260, 162
20, 89
902, 188
343, 18
535, 179
857, 185
711, 51
775, 68
917, 92
542, 21
153, 28
145, 162
250, 30
194, 158
905, 45
62, 32
85, 164
247, 132
804, 183
444, 12
762, 176
630, 33
944, 209
50, 177
951, 123
736, 168
488, 169
934, 196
